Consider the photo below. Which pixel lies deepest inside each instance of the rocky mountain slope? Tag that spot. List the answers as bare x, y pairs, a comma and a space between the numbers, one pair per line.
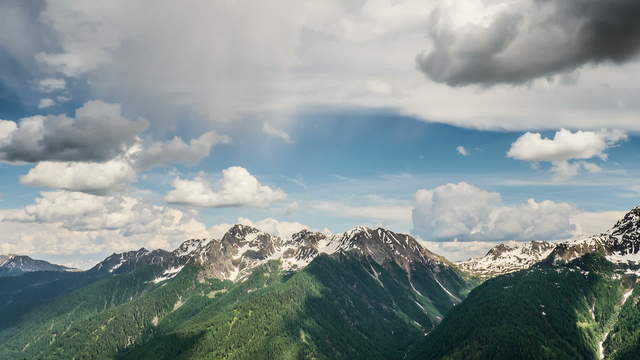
14, 265
503, 259
366, 293
551, 311
620, 245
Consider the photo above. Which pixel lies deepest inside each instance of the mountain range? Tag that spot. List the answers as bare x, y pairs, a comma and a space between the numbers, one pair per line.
364, 294
14, 265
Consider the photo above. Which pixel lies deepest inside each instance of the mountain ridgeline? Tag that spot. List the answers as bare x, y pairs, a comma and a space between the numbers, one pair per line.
363, 294
366, 293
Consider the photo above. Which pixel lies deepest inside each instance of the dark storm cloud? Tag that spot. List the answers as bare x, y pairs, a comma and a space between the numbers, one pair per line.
98, 132
536, 39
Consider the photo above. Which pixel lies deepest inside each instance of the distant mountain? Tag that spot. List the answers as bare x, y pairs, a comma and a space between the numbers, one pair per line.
504, 259
366, 293
620, 245
14, 265
362, 294
580, 299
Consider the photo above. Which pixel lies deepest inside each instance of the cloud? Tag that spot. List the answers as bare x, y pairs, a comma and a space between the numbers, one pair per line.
460, 250
45, 103
462, 151
80, 176
176, 151
74, 223
111, 47
492, 42
50, 85
566, 146
291, 208
98, 132
271, 131
371, 212
237, 187
466, 213
563, 170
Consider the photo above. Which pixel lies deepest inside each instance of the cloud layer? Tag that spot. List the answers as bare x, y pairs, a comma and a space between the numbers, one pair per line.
66, 222
491, 42
464, 212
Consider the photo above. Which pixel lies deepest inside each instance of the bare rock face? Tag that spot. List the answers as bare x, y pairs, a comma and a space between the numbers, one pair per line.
243, 248
128, 261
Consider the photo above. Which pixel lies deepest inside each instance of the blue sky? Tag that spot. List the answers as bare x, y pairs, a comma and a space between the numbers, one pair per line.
324, 116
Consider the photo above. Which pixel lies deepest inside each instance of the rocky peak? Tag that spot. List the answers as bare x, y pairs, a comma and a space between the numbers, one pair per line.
127, 261
189, 247
503, 259
12, 265
628, 225
499, 250
384, 245
625, 234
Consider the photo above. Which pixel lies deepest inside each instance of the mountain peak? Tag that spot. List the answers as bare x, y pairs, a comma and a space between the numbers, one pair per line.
12, 265
503, 259
630, 222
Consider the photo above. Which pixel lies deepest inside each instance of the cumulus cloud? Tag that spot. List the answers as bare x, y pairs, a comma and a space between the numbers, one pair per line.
66, 222
98, 132
80, 176
237, 187
491, 42
176, 151
466, 213
564, 147
462, 151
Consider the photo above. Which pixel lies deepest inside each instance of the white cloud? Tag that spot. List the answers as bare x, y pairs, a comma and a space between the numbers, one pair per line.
462, 151
80, 176
50, 85
459, 250
237, 187
563, 170
279, 133
467, 213
80, 224
45, 103
176, 151
565, 145
596, 222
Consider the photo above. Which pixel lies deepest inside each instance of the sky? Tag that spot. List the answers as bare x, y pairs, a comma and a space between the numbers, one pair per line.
142, 124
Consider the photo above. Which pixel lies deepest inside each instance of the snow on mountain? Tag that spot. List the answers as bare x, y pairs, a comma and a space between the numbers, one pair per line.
127, 261
620, 245
13, 265
503, 259
243, 248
